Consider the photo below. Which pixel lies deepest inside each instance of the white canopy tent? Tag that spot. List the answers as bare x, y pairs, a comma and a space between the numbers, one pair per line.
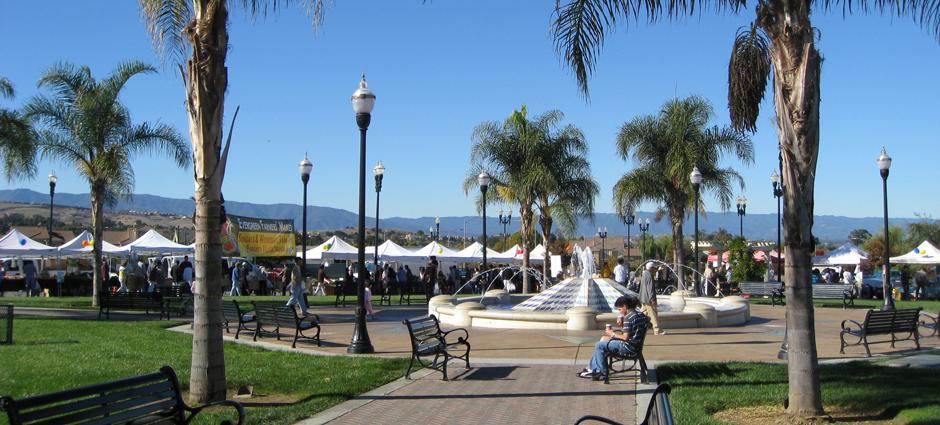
333, 248
153, 243
392, 252
537, 255
847, 254
81, 245
474, 252
16, 244
925, 253
512, 251
440, 251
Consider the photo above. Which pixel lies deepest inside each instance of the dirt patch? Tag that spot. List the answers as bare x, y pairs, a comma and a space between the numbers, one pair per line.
776, 415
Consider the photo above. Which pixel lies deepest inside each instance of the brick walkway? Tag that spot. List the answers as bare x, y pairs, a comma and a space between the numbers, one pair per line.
500, 394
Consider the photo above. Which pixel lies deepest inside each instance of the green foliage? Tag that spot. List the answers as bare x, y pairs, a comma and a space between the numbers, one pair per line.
743, 266
17, 150
101, 351
859, 236
875, 245
907, 393
926, 230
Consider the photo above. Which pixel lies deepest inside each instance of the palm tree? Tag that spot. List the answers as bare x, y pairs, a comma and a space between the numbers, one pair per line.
83, 123
198, 31
781, 38
561, 177
16, 138
503, 150
665, 148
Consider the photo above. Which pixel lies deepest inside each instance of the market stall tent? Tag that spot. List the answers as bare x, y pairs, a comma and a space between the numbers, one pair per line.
847, 254
440, 251
474, 252
153, 243
391, 252
333, 248
82, 245
925, 253
16, 244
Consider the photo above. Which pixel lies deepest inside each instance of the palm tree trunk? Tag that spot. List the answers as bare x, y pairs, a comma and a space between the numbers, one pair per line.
525, 220
205, 90
678, 247
97, 220
796, 96
546, 222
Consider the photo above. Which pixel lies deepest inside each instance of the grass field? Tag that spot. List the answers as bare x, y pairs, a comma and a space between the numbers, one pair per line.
84, 303
928, 306
859, 389
49, 355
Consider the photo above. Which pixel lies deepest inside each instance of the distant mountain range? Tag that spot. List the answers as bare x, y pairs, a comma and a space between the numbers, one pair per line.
756, 226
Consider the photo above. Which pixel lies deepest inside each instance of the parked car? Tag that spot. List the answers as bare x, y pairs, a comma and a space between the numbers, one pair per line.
872, 284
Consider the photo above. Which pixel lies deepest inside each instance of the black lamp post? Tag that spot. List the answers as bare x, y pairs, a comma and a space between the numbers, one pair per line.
305, 168
504, 220
696, 179
602, 233
52, 181
784, 352
379, 171
884, 164
363, 100
644, 227
742, 209
484, 180
629, 220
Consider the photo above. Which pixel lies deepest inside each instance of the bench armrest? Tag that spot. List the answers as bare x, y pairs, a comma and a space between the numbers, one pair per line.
313, 318
465, 337
596, 419
859, 325
929, 316
236, 405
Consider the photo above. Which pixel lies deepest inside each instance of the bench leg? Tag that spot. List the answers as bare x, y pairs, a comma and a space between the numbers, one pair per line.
410, 365
867, 351
644, 378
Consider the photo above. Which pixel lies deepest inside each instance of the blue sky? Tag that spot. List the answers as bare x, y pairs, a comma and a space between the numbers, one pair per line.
440, 68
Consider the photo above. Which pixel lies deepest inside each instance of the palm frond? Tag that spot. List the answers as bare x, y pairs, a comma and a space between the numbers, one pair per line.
17, 150
925, 13
154, 139
6, 88
748, 73
166, 20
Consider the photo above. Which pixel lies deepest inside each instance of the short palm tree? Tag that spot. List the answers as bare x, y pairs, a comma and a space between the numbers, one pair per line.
195, 33
781, 38
83, 123
16, 138
665, 148
503, 150
561, 177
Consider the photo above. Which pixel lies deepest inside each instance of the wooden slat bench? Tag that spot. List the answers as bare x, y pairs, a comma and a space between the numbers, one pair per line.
146, 399
129, 301
427, 340
658, 412
239, 315
344, 288
774, 290
835, 291
271, 317
414, 288
177, 299
882, 322
613, 356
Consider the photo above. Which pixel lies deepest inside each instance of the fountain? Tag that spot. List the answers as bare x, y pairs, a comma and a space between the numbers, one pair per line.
583, 302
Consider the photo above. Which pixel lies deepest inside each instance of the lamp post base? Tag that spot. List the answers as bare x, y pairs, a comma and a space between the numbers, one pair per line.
360, 344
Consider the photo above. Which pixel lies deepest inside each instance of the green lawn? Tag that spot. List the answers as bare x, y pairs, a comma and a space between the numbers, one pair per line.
49, 355
85, 302
699, 390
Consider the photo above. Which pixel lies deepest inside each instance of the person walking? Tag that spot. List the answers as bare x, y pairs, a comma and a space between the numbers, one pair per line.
620, 273
648, 299
236, 281
297, 287
920, 280
186, 271
30, 273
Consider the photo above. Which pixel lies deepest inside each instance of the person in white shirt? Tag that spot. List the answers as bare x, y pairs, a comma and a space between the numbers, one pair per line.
620, 272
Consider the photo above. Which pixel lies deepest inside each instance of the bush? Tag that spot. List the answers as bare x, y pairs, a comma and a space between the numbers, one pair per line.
743, 266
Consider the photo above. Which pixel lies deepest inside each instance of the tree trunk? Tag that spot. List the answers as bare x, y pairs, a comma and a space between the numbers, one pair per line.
796, 97
525, 220
207, 79
678, 248
97, 220
546, 223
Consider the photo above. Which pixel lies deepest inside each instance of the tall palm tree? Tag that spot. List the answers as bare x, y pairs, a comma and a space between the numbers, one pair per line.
665, 148
781, 38
197, 31
561, 177
16, 138
504, 151
83, 123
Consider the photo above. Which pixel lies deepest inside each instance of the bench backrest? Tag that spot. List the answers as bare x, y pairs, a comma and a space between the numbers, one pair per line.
232, 311
423, 332
823, 290
122, 401
129, 298
276, 314
888, 321
759, 288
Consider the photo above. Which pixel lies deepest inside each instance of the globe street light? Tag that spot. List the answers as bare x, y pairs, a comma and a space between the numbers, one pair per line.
363, 100
784, 352
884, 165
52, 181
742, 209
504, 220
696, 178
644, 226
602, 233
437, 226
629, 220
305, 168
484, 180
379, 171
